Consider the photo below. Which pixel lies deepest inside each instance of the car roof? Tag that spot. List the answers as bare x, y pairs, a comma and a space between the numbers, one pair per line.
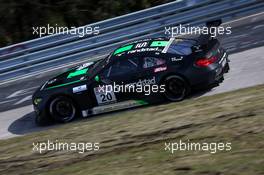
145, 47
128, 50
141, 46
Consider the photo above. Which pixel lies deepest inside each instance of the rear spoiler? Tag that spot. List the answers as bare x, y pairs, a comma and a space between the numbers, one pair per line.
215, 23
204, 38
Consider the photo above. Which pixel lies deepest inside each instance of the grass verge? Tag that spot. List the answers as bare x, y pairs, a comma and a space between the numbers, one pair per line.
132, 142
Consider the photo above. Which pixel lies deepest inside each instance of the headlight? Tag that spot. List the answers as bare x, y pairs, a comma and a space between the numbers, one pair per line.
37, 101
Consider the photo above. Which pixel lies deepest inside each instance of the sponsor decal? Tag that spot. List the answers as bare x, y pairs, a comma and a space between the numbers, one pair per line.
197, 48
160, 69
79, 88
144, 82
140, 45
114, 107
144, 50
176, 59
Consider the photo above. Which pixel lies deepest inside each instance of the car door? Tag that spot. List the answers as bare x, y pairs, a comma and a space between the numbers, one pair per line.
152, 67
114, 79
149, 72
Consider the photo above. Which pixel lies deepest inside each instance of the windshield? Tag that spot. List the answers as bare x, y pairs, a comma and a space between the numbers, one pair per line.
181, 46
98, 66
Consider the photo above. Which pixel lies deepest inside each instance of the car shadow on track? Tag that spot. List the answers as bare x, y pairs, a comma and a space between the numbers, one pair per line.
26, 124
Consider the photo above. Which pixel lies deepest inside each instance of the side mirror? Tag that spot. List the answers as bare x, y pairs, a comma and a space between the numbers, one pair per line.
106, 81
214, 23
98, 79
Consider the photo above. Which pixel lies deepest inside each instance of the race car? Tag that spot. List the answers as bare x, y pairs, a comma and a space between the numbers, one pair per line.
137, 73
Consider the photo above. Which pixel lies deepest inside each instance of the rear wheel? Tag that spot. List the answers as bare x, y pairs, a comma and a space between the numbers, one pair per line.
176, 88
62, 109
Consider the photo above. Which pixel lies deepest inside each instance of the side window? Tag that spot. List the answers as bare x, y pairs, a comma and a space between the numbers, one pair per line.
180, 50
181, 47
124, 66
106, 72
152, 61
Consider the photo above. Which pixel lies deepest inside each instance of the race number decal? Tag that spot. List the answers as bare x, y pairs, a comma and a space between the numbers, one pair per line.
104, 94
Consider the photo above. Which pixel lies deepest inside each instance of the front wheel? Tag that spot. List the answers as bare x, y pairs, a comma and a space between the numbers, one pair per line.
176, 88
62, 109
42, 121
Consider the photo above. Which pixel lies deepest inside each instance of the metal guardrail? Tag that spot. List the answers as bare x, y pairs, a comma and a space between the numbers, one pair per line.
56, 39
35, 56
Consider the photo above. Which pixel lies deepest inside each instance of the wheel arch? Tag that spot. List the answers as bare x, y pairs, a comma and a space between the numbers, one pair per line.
175, 74
54, 96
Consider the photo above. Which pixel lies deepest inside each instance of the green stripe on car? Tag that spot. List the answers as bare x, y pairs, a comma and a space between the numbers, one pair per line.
77, 73
123, 49
65, 84
159, 43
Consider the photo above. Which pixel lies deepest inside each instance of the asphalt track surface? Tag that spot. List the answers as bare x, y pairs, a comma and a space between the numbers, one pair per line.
245, 46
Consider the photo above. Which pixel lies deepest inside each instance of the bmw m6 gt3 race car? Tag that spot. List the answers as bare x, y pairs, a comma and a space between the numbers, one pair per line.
135, 74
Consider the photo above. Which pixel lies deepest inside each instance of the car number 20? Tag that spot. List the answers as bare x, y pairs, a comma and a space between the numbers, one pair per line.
106, 97
103, 96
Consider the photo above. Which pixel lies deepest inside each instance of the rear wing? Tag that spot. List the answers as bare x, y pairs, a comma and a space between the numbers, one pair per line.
215, 23
205, 38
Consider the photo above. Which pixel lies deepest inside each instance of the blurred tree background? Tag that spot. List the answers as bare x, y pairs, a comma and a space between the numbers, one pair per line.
17, 17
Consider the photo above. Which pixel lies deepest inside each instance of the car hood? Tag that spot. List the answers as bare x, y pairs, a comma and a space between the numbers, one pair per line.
73, 75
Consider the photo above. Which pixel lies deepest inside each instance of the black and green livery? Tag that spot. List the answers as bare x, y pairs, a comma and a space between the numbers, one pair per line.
181, 65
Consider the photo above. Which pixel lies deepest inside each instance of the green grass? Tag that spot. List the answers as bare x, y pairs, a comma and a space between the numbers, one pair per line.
132, 142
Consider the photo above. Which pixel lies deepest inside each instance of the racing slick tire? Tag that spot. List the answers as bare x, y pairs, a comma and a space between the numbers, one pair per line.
62, 109
176, 88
